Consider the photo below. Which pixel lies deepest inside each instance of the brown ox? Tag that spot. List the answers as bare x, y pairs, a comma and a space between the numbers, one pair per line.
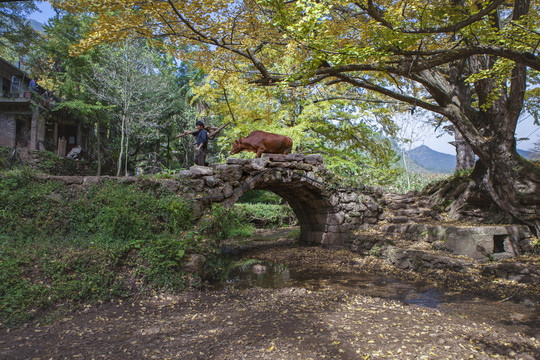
261, 142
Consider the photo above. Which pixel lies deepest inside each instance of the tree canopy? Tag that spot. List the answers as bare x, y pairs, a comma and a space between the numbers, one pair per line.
467, 61
16, 35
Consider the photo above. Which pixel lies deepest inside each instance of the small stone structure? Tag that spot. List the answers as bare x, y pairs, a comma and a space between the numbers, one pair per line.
326, 213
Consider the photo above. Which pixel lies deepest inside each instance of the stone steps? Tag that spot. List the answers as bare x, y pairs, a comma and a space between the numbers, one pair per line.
413, 236
408, 208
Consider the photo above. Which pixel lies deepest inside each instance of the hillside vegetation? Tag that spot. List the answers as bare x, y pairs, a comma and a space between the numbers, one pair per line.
65, 246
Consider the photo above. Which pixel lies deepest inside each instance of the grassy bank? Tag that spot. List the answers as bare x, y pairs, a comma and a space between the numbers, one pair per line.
62, 246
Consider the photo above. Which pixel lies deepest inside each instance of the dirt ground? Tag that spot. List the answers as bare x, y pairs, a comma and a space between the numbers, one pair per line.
296, 322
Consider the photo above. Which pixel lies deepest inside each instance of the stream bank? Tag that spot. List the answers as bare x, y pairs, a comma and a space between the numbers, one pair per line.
325, 317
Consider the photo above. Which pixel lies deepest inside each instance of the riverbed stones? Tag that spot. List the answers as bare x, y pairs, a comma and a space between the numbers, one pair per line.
195, 264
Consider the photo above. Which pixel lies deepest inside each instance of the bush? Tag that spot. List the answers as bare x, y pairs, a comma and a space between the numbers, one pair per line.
223, 223
260, 196
267, 215
64, 246
416, 182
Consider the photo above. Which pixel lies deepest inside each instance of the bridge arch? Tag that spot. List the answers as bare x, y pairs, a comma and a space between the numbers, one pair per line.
326, 213
308, 201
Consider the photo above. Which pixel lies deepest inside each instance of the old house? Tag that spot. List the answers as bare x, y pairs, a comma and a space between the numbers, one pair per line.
27, 119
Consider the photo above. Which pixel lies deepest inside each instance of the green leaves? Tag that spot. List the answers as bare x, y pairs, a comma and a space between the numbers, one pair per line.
62, 247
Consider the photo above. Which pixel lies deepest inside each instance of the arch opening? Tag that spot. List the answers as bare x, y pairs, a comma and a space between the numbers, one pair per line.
309, 206
320, 220
266, 209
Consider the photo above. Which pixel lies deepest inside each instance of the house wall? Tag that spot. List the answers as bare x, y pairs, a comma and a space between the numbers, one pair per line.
8, 127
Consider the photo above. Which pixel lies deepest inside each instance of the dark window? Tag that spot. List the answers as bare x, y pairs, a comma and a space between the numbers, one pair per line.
498, 243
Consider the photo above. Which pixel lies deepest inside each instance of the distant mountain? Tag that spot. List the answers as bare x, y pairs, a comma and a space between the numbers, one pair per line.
432, 160
529, 155
435, 161
36, 25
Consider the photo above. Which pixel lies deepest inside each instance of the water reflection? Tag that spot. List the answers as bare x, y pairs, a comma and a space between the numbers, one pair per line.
246, 273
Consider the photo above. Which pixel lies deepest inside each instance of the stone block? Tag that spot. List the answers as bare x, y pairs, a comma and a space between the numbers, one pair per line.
92, 180
255, 166
200, 171
356, 214
371, 220
197, 185
211, 181
348, 207
128, 180
338, 228
294, 157
304, 167
311, 237
349, 197
372, 205
332, 239
183, 174
275, 157
398, 219
336, 219
279, 165
170, 185
480, 241
314, 159
229, 173
234, 161
216, 194
227, 189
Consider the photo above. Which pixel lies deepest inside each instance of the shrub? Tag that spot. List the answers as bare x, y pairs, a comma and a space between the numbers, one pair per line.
260, 196
267, 215
223, 223
64, 246
416, 182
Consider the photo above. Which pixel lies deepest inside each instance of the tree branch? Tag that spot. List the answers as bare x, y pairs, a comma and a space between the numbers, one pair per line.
394, 95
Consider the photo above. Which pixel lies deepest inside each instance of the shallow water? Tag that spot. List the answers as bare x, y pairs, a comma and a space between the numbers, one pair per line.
515, 316
280, 276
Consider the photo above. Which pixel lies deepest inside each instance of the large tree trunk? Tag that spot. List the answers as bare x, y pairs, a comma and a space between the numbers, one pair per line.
512, 182
464, 153
489, 128
98, 135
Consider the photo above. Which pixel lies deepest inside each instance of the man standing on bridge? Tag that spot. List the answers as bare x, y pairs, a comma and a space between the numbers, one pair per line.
202, 145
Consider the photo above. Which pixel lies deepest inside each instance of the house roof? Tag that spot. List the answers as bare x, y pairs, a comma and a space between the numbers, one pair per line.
7, 70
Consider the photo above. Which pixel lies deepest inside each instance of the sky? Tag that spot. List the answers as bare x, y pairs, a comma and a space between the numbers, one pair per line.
46, 12
525, 128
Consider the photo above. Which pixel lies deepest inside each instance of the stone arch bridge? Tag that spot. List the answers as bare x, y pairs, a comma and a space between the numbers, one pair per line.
330, 215
326, 213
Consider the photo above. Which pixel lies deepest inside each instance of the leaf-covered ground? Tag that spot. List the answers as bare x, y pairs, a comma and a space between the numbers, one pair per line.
297, 322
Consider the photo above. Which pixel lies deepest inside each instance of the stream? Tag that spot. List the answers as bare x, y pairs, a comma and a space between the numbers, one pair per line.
246, 273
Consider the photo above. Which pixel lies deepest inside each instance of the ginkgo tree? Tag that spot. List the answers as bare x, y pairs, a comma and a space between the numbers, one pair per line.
351, 138
467, 61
